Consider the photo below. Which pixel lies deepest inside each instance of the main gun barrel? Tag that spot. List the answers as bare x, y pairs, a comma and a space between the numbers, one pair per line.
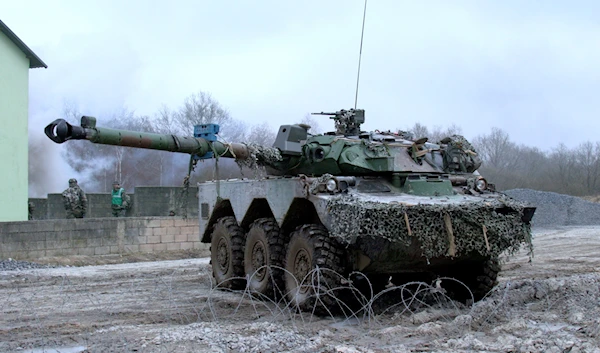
61, 131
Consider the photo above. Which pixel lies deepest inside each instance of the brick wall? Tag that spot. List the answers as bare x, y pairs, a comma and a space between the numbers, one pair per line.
97, 236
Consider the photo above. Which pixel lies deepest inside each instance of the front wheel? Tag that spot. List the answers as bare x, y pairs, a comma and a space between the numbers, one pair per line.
487, 278
479, 277
310, 247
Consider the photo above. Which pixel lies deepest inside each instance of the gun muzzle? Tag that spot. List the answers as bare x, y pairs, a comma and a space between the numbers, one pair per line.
60, 131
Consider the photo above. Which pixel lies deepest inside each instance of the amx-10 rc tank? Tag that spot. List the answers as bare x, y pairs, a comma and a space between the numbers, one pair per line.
376, 203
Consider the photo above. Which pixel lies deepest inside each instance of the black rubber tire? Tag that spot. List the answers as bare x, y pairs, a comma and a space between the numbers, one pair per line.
310, 246
487, 279
265, 246
480, 277
227, 253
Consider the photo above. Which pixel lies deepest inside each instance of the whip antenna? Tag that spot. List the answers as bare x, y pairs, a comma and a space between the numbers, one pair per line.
360, 53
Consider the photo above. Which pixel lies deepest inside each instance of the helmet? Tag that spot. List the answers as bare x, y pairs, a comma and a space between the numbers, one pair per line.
116, 182
72, 180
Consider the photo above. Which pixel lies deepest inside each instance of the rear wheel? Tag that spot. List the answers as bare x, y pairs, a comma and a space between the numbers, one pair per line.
310, 247
227, 253
264, 257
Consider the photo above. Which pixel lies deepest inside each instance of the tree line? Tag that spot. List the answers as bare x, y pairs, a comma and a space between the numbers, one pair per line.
505, 163
571, 171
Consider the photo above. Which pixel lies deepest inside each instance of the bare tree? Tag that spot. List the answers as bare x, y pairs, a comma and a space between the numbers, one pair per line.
439, 133
496, 149
164, 121
234, 131
200, 108
530, 169
562, 168
588, 159
419, 130
310, 120
261, 134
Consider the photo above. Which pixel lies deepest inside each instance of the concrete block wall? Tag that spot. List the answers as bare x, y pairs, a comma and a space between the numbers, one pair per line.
56, 208
98, 206
32, 240
41, 208
159, 201
147, 201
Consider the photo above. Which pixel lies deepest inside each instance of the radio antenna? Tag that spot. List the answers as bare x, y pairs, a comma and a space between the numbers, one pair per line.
360, 54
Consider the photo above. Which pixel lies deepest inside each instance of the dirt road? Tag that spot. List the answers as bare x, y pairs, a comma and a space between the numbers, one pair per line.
551, 304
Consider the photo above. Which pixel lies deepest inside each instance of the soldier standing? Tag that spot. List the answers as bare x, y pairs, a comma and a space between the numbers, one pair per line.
31, 208
120, 200
74, 200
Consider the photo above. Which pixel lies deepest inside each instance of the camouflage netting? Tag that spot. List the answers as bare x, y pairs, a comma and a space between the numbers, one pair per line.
460, 142
259, 156
471, 224
460, 155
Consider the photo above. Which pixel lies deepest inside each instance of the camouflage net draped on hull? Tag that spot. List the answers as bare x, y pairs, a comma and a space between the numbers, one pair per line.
489, 227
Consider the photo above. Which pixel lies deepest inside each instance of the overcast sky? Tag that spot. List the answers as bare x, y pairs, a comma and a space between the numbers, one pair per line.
531, 68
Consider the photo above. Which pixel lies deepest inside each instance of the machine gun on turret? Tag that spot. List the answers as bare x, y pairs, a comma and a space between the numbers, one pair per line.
347, 122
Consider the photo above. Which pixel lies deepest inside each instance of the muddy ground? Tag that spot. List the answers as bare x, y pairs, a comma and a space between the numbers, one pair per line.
551, 304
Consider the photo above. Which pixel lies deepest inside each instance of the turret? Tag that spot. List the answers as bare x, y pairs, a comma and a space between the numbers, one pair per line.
347, 151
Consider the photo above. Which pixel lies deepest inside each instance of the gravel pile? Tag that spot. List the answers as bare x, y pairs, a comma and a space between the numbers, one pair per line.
14, 265
557, 209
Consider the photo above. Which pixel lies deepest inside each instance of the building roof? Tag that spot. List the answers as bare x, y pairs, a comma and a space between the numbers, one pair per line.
34, 60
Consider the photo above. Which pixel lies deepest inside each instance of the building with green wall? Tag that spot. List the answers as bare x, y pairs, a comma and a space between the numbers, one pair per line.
15, 61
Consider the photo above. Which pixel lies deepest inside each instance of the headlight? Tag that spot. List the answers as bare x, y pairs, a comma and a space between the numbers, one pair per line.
331, 185
481, 184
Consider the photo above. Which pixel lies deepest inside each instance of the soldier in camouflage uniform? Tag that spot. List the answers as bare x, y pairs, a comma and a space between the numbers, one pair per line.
121, 202
31, 208
74, 200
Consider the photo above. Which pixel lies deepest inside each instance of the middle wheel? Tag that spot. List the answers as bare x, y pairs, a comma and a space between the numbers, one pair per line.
264, 255
311, 247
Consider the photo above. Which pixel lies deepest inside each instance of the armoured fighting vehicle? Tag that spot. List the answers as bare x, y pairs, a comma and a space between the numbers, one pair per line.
381, 204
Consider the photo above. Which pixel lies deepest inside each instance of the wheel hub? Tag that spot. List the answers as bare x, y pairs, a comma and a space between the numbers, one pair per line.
223, 254
302, 266
259, 260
